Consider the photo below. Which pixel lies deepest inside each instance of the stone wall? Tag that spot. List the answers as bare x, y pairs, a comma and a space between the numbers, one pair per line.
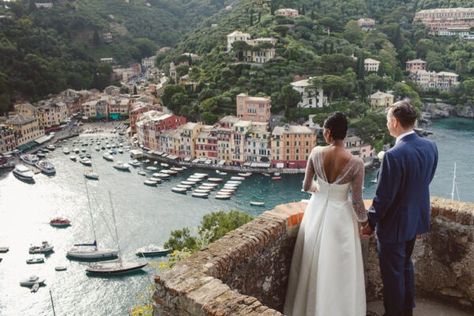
246, 271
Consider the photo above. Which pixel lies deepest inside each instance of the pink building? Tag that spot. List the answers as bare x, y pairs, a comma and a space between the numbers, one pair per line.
138, 108
256, 109
415, 65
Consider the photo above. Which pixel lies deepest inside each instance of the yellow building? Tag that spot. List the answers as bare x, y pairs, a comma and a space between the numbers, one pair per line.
381, 99
26, 128
189, 133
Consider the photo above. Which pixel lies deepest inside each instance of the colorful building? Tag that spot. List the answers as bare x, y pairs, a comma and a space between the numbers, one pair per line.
446, 22
7, 139
239, 135
255, 109
189, 134
26, 128
381, 99
257, 143
291, 146
415, 64
206, 144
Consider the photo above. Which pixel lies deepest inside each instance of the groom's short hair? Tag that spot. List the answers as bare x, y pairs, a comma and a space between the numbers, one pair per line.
404, 113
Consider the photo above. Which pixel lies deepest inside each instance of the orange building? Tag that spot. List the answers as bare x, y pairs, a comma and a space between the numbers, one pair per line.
291, 146
256, 109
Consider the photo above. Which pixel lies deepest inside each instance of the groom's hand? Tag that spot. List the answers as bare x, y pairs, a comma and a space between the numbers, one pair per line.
366, 231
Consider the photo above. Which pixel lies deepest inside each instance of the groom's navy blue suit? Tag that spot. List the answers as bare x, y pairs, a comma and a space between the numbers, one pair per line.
400, 211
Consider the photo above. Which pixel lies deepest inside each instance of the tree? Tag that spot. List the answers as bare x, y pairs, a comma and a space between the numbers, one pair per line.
169, 92
289, 98
181, 239
353, 33
95, 38
220, 223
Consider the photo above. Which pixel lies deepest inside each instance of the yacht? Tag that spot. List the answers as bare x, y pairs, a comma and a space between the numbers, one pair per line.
122, 166
91, 175
29, 159
141, 172
32, 280
134, 163
46, 167
108, 157
152, 251
215, 179
44, 248
86, 162
23, 173
50, 147
223, 196
150, 182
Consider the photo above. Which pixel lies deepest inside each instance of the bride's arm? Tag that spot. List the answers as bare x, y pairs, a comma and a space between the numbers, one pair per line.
356, 188
309, 185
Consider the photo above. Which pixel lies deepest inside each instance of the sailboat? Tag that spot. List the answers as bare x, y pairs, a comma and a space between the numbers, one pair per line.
90, 251
114, 267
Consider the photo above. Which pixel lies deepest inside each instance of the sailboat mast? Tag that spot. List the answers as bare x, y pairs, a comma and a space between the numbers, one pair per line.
90, 214
454, 182
52, 302
115, 226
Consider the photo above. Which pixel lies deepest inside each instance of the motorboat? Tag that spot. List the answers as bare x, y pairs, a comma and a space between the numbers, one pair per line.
73, 158
255, 203
23, 173
134, 163
108, 157
29, 159
245, 174
202, 191
184, 186
34, 260
41, 154
203, 175
276, 178
170, 172
60, 268
193, 180
237, 178
152, 251
210, 185
88, 155
200, 195
60, 222
215, 179
163, 164
190, 183
91, 175
76, 150
97, 148
44, 248
141, 172
161, 175
203, 187
4, 249
179, 190
222, 173
157, 180
50, 147
114, 268
46, 167
266, 174
151, 168
122, 166
234, 182
223, 196
176, 169
32, 280
86, 161
120, 151
150, 182
66, 151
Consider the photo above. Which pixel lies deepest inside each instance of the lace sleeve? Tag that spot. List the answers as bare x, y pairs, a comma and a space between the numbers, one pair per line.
356, 189
309, 185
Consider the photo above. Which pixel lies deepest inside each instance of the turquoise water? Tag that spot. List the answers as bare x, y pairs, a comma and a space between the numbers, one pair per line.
144, 215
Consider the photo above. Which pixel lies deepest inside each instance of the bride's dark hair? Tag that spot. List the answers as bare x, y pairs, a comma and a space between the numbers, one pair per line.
337, 124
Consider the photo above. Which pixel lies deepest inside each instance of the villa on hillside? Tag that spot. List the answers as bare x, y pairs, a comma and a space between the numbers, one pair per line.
263, 47
287, 12
310, 98
447, 22
371, 65
381, 99
415, 65
366, 24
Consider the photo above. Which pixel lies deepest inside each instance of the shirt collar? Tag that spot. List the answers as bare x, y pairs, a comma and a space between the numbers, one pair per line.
399, 138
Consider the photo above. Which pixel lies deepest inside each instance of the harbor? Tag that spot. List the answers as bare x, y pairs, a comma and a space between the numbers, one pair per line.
144, 215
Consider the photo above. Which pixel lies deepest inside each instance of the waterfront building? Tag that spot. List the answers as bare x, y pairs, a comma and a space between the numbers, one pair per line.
26, 109
371, 65
381, 99
137, 109
26, 128
206, 144
358, 148
310, 97
169, 141
435, 80
119, 108
89, 109
224, 149
189, 134
112, 91
7, 139
257, 143
291, 146
74, 100
415, 65
102, 107
256, 109
366, 24
238, 137
151, 124
446, 22
51, 113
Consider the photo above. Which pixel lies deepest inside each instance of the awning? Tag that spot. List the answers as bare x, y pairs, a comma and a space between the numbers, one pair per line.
221, 163
172, 157
43, 139
27, 146
187, 159
208, 162
260, 165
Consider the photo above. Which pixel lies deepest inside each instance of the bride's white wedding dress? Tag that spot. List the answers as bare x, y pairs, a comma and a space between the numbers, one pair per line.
326, 275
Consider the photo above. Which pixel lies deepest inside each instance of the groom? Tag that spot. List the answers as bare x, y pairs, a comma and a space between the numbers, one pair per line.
401, 208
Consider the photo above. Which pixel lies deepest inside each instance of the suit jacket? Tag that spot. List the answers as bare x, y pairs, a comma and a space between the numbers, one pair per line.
401, 207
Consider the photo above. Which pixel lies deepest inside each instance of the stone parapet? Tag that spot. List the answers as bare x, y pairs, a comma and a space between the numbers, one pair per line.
246, 271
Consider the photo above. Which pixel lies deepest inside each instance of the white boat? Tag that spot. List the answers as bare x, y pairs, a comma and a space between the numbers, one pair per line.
90, 251
108, 157
205, 175
85, 161
237, 178
46, 167
66, 151
41, 155
211, 185
73, 158
200, 195
4, 249
161, 175
202, 191
141, 172
76, 150
179, 190
34, 260
23, 173
97, 148
222, 196
215, 179
122, 166
114, 267
91, 175
29, 159
193, 180
176, 169
60, 268
170, 172
157, 180
150, 182
50, 147
222, 173
120, 151
190, 183
44, 248
245, 174
234, 182
163, 164
134, 163
184, 186
203, 187
151, 168
255, 203
152, 251
32, 280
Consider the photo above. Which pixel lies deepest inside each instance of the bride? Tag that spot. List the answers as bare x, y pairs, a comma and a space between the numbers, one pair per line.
326, 275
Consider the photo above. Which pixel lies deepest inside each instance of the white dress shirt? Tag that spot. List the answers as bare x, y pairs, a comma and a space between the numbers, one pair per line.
399, 138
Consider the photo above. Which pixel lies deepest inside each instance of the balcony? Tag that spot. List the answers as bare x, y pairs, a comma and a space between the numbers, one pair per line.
246, 271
